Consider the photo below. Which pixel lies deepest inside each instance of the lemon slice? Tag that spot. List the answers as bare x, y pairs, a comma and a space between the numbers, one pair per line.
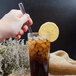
50, 30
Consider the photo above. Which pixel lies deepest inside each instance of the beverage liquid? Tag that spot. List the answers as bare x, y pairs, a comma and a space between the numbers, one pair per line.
39, 52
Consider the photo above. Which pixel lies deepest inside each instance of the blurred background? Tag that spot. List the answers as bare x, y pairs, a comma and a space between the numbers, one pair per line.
62, 12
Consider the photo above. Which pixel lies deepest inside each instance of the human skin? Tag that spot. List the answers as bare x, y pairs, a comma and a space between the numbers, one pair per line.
13, 24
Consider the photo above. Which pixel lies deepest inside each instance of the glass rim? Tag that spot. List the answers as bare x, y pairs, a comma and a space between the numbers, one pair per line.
36, 34
33, 33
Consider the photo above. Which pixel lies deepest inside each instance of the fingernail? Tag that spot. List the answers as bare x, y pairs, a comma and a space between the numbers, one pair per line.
18, 36
25, 28
19, 33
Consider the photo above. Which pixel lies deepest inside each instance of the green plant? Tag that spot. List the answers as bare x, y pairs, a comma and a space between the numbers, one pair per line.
14, 56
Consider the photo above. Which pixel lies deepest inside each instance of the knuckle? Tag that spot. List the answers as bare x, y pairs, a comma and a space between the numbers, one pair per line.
27, 15
13, 10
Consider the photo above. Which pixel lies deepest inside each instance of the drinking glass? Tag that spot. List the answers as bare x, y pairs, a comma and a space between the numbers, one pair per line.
39, 48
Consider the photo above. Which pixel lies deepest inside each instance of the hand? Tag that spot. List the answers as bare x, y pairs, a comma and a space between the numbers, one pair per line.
13, 24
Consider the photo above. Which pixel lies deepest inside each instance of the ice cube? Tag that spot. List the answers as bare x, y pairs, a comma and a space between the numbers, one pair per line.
43, 45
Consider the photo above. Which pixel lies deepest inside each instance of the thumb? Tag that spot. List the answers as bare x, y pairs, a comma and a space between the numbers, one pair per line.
23, 19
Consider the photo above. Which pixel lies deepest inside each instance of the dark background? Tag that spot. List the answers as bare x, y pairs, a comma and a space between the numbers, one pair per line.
62, 12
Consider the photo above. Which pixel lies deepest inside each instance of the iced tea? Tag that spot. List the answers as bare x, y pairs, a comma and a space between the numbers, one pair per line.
39, 52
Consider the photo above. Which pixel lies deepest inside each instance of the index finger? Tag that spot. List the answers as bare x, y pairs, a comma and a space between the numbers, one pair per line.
16, 12
29, 20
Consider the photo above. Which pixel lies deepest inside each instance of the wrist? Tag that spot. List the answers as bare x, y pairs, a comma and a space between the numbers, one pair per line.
5, 30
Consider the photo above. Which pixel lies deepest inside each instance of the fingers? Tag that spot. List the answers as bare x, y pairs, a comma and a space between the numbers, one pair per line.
24, 19
30, 20
18, 36
25, 28
21, 32
16, 12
